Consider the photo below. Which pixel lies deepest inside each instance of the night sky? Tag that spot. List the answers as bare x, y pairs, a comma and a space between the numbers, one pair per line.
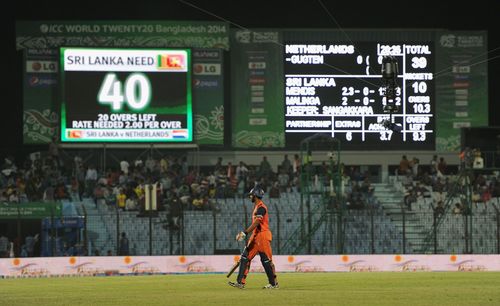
476, 15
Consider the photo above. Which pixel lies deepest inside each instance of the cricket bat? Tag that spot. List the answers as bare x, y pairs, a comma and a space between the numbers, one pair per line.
233, 268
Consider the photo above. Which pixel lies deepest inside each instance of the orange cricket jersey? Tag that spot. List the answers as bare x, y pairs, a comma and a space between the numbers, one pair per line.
262, 230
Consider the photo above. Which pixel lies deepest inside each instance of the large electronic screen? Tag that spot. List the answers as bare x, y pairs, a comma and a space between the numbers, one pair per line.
338, 89
126, 95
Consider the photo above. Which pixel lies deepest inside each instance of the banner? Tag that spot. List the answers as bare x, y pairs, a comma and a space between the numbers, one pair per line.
136, 265
462, 85
41, 40
31, 211
257, 89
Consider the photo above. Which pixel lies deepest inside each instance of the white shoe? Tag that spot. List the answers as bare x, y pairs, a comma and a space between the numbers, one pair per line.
269, 286
236, 285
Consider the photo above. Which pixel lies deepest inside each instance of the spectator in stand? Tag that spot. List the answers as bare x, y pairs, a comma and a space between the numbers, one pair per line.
404, 166
442, 167
90, 179
283, 179
286, 166
4, 246
478, 160
457, 210
414, 164
439, 210
131, 203
174, 213
433, 167
218, 164
184, 166
75, 189
124, 165
121, 199
163, 165
54, 151
124, 245
296, 165
48, 195
274, 192
265, 168
241, 172
410, 198
231, 176
13, 197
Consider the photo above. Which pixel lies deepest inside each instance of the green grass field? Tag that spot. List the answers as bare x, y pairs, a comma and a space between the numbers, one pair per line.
380, 288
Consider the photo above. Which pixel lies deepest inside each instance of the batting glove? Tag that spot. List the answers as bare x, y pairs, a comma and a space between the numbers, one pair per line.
241, 236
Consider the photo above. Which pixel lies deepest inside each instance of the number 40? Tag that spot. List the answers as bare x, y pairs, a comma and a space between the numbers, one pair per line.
137, 91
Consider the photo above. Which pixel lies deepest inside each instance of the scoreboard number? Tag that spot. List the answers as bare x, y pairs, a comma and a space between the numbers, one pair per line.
137, 92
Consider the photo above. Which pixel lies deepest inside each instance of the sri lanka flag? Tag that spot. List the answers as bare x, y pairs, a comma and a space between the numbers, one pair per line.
171, 61
74, 134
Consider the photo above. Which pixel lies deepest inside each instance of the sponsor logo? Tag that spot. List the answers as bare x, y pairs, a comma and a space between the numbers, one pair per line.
461, 114
458, 125
359, 266
254, 81
196, 266
41, 66
257, 65
305, 266
461, 102
86, 268
29, 269
211, 54
258, 121
40, 81
265, 37
205, 83
468, 266
142, 267
411, 266
41, 52
254, 99
207, 69
460, 77
447, 41
257, 72
171, 61
243, 37
460, 84
470, 41
460, 69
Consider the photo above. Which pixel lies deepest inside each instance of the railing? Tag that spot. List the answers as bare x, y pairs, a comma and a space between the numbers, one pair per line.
195, 232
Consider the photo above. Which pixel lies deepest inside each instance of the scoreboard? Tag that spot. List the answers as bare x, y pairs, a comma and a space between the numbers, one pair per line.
126, 95
338, 89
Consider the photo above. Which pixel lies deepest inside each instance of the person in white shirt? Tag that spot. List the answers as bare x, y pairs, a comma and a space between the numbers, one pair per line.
478, 160
124, 166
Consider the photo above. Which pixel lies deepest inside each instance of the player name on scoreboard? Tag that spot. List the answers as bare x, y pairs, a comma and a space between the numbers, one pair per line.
341, 92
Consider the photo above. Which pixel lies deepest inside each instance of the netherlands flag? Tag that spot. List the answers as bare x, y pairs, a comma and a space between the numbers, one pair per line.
180, 134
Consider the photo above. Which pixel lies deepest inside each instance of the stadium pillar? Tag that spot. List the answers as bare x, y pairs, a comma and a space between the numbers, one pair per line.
434, 227
404, 229
117, 230
372, 233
